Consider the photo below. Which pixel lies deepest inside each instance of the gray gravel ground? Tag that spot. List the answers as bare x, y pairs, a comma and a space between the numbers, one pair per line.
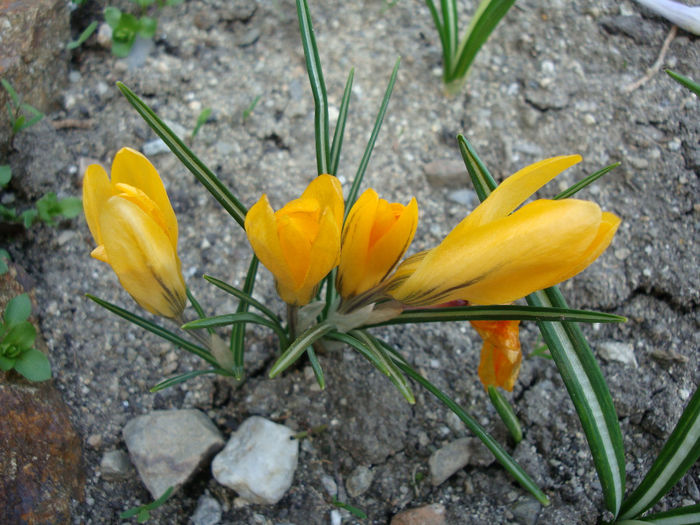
548, 83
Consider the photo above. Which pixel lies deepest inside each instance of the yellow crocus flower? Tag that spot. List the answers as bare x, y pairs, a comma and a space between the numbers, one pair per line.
500, 353
300, 243
496, 255
375, 236
135, 228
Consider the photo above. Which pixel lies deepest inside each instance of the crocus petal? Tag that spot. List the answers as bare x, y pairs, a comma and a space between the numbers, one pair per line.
515, 190
325, 252
132, 168
326, 189
96, 191
151, 209
538, 246
142, 256
261, 229
500, 353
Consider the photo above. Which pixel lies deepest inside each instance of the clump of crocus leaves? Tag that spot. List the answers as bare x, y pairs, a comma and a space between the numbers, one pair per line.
340, 264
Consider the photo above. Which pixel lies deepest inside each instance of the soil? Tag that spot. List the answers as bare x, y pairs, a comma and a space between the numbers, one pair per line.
550, 81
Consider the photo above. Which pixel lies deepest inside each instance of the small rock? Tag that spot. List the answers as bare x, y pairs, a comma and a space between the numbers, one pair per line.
169, 446
329, 485
464, 197
115, 465
526, 512
336, 517
428, 515
94, 440
248, 38
359, 481
446, 173
617, 351
259, 461
154, 147
449, 459
208, 511
104, 35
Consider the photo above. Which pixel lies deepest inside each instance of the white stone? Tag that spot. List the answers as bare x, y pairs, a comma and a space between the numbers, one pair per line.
258, 461
617, 351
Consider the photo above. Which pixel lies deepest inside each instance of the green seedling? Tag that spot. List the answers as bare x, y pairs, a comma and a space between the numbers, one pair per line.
247, 112
89, 30
201, 120
17, 337
143, 512
358, 513
22, 115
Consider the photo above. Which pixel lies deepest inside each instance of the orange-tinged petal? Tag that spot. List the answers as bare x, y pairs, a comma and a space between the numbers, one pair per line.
538, 246
325, 252
326, 189
261, 229
500, 354
143, 257
296, 242
515, 190
96, 191
132, 168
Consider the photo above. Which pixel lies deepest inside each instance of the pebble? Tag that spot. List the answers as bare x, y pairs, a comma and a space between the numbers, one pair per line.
115, 465
169, 446
259, 461
446, 173
104, 35
208, 511
449, 459
465, 197
674, 144
336, 517
154, 147
74, 76
617, 351
329, 485
526, 512
94, 440
359, 481
428, 515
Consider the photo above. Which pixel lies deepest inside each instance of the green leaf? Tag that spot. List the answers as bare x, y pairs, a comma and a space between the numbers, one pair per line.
18, 310
8, 214
70, 207
238, 331
181, 378
294, 350
33, 365
689, 515
249, 110
89, 30
684, 81
242, 317
147, 27
679, 453
21, 335
4, 260
191, 162
496, 449
499, 313
316, 367
11, 92
28, 217
585, 182
590, 395
447, 52
318, 87
488, 14
6, 363
358, 513
112, 16
201, 120
339, 132
5, 175
355, 188
481, 178
242, 295
155, 329
502, 406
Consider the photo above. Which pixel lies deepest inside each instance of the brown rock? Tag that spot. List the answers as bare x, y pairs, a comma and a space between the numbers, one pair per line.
428, 515
33, 36
39, 449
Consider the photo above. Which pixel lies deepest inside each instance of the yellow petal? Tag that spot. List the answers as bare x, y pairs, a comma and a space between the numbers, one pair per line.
538, 246
296, 235
143, 258
261, 229
151, 209
132, 168
326, 189
96, 191
99, 253
325, 252
515, 190
500, 353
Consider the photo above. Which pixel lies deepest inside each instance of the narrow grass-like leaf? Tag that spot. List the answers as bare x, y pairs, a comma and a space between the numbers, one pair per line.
316, 367
318, 87
339, 132
202, 173
585, 182
181, 378
355, 188
496, 449
482, 26
590, 395
89, 30
358, 513
577, 367
499, 313
237, 341
237, 318
362, 348
245, 298
689, 515
444, 41
298, 346
158, 330
684, 81
679, 453
197, 307
449, 25
502, 406
393, 372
